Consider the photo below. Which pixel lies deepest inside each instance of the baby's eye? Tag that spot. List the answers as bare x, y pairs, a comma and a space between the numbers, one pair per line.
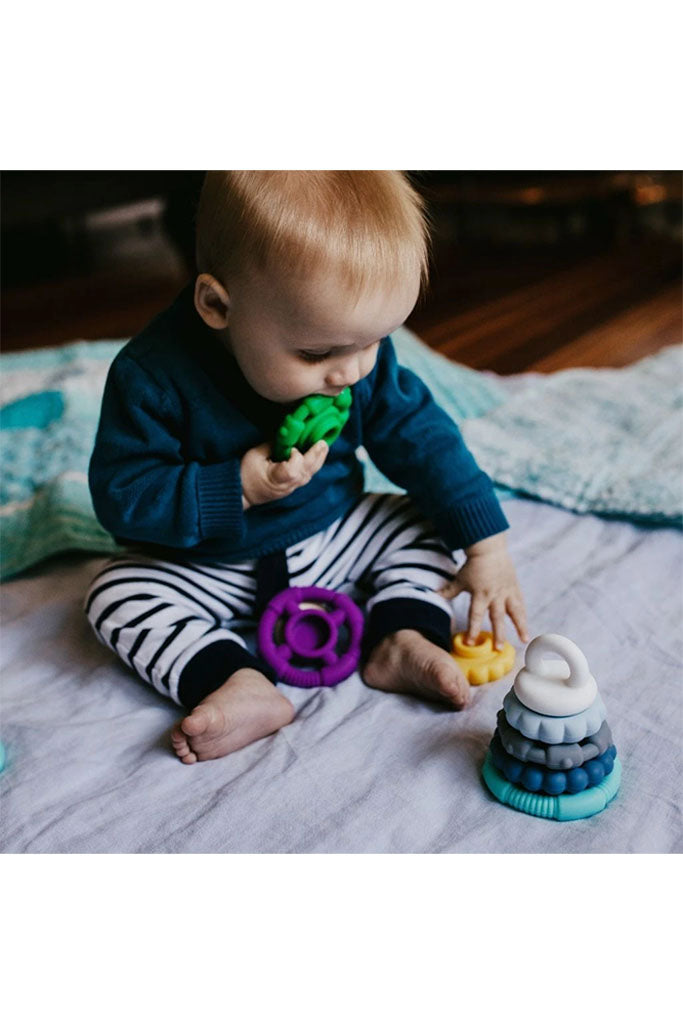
319, 357
314, 357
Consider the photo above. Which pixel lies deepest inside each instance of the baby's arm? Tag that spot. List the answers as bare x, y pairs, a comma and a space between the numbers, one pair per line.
489, 576
143, 486
417, 445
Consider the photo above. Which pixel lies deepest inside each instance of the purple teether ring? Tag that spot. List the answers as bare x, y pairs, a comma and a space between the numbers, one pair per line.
311, 635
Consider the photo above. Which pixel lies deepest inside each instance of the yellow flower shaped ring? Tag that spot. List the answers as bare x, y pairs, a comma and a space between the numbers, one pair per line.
481, 662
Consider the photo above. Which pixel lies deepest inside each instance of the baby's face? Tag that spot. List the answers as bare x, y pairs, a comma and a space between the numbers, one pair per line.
293, 340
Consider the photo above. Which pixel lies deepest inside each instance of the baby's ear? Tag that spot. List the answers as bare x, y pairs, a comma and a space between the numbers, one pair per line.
211, 301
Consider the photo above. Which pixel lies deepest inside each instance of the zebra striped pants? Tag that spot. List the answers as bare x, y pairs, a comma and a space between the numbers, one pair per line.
176, 623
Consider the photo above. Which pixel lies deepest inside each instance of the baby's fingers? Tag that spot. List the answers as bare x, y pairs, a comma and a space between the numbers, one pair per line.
497, 617
477, 610
517, 612
286, 472
315, 456
299, 469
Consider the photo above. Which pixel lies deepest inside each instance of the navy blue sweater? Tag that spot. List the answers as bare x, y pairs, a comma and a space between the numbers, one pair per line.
178, 415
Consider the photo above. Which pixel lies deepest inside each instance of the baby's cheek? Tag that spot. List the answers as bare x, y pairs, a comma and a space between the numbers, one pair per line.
368, 362
302, 380
293, 386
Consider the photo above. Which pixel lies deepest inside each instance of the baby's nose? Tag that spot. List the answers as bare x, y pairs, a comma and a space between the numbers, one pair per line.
345, 375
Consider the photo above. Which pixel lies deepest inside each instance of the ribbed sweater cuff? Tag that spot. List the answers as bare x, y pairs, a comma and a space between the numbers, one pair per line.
219, 489
466, 524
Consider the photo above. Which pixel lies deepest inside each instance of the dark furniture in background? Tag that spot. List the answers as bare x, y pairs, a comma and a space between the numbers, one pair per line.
45, 215
530, 269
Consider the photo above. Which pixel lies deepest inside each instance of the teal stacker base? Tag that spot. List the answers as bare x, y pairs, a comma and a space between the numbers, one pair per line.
566, 807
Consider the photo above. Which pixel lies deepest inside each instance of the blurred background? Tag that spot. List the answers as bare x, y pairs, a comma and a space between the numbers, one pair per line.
530, 270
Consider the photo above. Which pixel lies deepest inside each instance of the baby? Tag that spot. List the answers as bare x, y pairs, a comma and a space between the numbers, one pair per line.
303, 276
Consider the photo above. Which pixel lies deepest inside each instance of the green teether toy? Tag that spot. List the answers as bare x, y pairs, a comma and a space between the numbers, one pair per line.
318, 418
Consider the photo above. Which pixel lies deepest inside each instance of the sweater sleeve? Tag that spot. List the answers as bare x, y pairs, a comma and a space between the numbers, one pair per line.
142, 487
416, 444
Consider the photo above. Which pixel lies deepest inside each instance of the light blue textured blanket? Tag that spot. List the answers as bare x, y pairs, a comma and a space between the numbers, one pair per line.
49, 408
603, 441
594, 440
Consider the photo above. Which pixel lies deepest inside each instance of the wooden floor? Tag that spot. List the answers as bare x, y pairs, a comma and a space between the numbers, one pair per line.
509, 311
550, 311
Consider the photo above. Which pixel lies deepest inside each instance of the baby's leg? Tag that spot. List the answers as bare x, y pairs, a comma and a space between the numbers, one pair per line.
169, 623
388, 550
408, 638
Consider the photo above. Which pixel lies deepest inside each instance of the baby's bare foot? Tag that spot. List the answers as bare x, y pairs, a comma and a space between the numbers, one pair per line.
406, 662
244, 709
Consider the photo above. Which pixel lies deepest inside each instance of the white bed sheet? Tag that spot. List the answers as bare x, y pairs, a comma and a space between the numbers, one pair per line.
90, 769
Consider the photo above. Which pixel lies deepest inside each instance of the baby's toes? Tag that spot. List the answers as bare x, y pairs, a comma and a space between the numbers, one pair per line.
181, 746
452, 685
179, 740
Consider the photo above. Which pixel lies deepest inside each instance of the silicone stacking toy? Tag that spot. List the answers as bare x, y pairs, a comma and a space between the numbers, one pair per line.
553, 781
551, 728
481, 662
566, 807
311, 636
536, 685
318, 418
552, 754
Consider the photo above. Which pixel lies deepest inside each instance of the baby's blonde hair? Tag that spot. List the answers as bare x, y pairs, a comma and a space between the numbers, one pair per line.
369, 227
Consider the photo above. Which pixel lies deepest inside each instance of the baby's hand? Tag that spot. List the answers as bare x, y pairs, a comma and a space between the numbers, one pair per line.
489, 576
264, 480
